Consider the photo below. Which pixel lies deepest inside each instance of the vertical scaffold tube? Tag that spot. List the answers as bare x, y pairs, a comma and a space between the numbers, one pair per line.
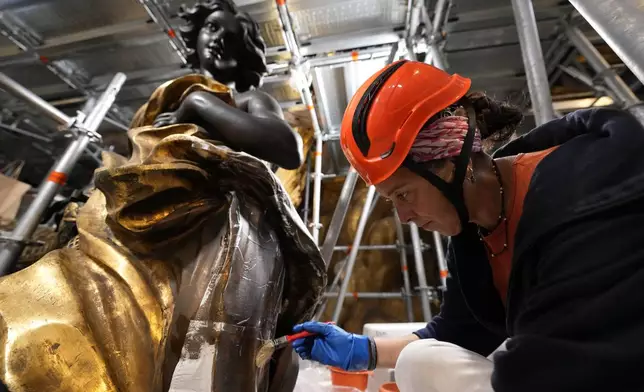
621, 24
533, 62
353, 254
57, 177
404, 267
420, 271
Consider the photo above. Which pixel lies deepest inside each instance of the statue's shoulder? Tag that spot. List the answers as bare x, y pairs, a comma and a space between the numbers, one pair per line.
186, 82
47, 342
169, 95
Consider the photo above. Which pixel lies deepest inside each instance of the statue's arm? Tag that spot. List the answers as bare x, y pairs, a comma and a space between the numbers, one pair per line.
256, 126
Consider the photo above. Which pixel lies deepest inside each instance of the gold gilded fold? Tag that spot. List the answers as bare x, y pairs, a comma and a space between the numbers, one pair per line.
180, 216
168, 96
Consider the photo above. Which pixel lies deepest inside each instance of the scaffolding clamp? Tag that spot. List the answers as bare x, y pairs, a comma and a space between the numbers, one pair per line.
405, 293
430, 291
330, 137
77, 129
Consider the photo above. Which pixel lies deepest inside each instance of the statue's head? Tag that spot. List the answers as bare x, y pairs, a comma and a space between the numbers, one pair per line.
224, 42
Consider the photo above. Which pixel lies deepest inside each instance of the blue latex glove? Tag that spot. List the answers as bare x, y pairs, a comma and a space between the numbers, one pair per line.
333, 346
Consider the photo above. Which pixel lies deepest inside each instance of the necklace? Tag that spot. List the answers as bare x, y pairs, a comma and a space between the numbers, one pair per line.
502, 218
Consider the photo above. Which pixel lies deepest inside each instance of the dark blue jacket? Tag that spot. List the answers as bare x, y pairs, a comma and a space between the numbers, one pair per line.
575, 306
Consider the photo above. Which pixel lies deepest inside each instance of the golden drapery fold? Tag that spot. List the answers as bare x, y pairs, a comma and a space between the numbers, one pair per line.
104, 316
168, 97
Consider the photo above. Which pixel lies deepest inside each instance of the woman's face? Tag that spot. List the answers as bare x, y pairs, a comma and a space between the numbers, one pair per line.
418, 201
219, 42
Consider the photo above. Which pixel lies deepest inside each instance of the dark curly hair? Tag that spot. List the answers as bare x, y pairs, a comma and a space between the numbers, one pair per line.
496, 120
252, 65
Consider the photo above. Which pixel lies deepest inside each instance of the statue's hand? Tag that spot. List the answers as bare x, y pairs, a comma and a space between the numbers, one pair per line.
164, 119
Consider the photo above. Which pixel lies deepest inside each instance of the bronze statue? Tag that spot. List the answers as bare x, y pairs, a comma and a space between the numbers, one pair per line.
227, 47
189, 255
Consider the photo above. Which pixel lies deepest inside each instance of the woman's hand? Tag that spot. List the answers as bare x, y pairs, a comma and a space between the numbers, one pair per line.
333, 346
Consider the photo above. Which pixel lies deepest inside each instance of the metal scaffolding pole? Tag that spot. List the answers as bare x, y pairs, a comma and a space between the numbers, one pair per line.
338, 275
411, 55
307, 190
367, 295
619, 90
439, 17
25, 133
392, 53
400, 235
600, 66
555, 53
117, 124
160, 17
356, 55
434, 55
621, 24
420, 271
86, 131
29, 41
408, 12
535, 68
362, 223
317, 175
367, 247
408, 38
440, 257
31, 99
290, 40
339, 215
334, 286
587, 80
439, 62
292, 45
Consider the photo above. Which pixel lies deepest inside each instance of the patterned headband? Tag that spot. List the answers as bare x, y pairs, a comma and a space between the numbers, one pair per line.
442, 139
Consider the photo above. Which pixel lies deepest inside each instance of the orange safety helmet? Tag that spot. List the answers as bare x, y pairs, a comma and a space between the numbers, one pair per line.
388, 111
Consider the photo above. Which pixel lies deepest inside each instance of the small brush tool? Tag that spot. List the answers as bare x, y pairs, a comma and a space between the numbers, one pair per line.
268, 348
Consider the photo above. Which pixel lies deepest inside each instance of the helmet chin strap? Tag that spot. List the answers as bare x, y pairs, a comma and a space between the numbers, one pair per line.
453, 190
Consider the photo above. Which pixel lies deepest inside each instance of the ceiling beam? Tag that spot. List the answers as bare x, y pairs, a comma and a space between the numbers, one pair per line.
341, 42
159, 15
499, 16
130, 27
27, 40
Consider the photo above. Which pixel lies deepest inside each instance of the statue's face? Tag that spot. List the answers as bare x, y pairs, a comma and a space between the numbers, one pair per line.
220, 44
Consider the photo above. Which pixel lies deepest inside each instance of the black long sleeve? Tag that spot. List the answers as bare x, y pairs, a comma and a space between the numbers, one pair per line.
550, 134
575, 303
455, 323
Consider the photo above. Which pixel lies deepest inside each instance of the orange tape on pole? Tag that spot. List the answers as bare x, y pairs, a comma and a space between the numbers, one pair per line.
354, 55
405, 268
280, 2
171, 33
444, 273
355, 295
57, 177
310, 107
